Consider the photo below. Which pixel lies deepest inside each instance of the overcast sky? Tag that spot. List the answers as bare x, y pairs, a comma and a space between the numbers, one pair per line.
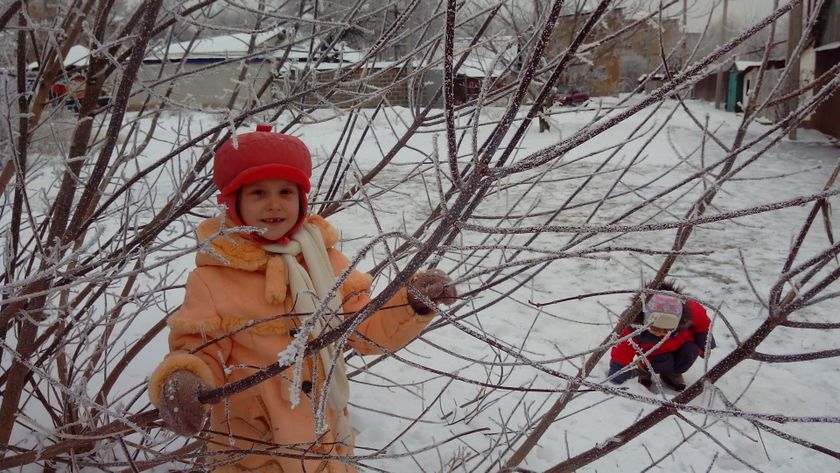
740, 12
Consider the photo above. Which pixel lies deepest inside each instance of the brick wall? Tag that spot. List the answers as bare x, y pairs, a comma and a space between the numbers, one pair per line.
361, 88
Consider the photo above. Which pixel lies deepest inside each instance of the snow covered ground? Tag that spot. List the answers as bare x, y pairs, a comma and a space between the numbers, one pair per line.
717, 279
387, 397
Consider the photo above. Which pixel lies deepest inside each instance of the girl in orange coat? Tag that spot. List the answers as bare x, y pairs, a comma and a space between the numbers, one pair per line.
256, 296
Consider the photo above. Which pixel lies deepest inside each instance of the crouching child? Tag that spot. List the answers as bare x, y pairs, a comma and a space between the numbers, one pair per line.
676, 334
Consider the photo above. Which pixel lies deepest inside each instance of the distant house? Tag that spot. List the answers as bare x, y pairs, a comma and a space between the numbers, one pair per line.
208, 70
615, 66
704, 88
488, 63
69, 86
772, 75
651, 82
742, 79
352, 83
735, 84
821, 54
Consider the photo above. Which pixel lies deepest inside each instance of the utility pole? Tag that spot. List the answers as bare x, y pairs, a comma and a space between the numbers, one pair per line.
722, 39
794, 35
685, 33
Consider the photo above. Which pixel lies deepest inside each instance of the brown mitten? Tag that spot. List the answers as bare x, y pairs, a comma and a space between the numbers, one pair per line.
179, 407
434, 284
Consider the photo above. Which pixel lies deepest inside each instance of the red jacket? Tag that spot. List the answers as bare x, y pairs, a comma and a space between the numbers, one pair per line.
697, 332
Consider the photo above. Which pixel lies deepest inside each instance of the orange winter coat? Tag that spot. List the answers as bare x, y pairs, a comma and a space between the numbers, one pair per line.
257, 429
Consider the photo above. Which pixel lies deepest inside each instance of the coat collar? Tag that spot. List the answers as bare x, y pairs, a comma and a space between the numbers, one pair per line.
235, 250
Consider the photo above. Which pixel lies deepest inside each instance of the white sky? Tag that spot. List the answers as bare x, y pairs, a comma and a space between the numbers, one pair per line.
740, 12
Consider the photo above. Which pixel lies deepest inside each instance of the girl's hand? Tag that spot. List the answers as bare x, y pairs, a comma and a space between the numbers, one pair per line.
434, 284
180, 408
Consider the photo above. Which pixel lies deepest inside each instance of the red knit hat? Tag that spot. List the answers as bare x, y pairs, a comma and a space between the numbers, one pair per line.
257, 156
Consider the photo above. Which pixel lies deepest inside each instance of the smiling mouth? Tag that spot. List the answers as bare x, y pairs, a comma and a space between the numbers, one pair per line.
273, 221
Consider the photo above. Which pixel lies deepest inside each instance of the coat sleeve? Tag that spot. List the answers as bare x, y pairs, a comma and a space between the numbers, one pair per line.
392, 327
193, 324
700, 324
615, 367
622, 354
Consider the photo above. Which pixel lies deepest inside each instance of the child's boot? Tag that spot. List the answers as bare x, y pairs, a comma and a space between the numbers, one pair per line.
644, 377
673, 380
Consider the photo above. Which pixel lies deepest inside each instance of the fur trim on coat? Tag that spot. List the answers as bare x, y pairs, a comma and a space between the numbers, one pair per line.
178, 362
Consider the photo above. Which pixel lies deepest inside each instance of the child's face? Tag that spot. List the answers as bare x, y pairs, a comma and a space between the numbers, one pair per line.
273, 204
659, 332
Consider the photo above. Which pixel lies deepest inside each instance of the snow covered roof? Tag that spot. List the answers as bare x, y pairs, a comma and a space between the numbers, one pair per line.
659, 76
744, 65
828, 46
219, 48
342, 62
476, 68
488, 58
77, 56
226, 46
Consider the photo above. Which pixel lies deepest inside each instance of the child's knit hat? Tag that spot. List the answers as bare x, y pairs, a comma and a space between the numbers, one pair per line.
663, 311
259, 155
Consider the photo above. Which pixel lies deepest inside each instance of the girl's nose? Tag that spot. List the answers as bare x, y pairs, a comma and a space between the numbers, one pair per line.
274, 201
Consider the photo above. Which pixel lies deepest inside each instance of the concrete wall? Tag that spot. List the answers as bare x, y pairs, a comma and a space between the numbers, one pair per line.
209, 86
771, 78
807, 63
199, 85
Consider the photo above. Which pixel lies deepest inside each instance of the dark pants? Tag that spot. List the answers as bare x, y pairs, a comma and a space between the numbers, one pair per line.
678, 361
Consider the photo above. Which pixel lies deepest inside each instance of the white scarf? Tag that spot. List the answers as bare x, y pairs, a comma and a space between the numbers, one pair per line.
308, 289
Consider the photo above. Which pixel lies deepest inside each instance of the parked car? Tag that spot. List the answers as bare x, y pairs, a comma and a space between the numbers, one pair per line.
70, 93
568, 97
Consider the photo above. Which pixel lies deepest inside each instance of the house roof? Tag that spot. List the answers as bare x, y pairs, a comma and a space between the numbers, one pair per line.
77, 56
826, 47
744, 65
487, 58
220, 48
226, 46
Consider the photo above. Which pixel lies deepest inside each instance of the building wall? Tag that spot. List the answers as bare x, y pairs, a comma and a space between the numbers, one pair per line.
771, 78
830, 27
600, 75
362, 88
429, 84
644, 43
206, 89
615, 66
807, 65
815, 63
704, 89
825, 118
212, 88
